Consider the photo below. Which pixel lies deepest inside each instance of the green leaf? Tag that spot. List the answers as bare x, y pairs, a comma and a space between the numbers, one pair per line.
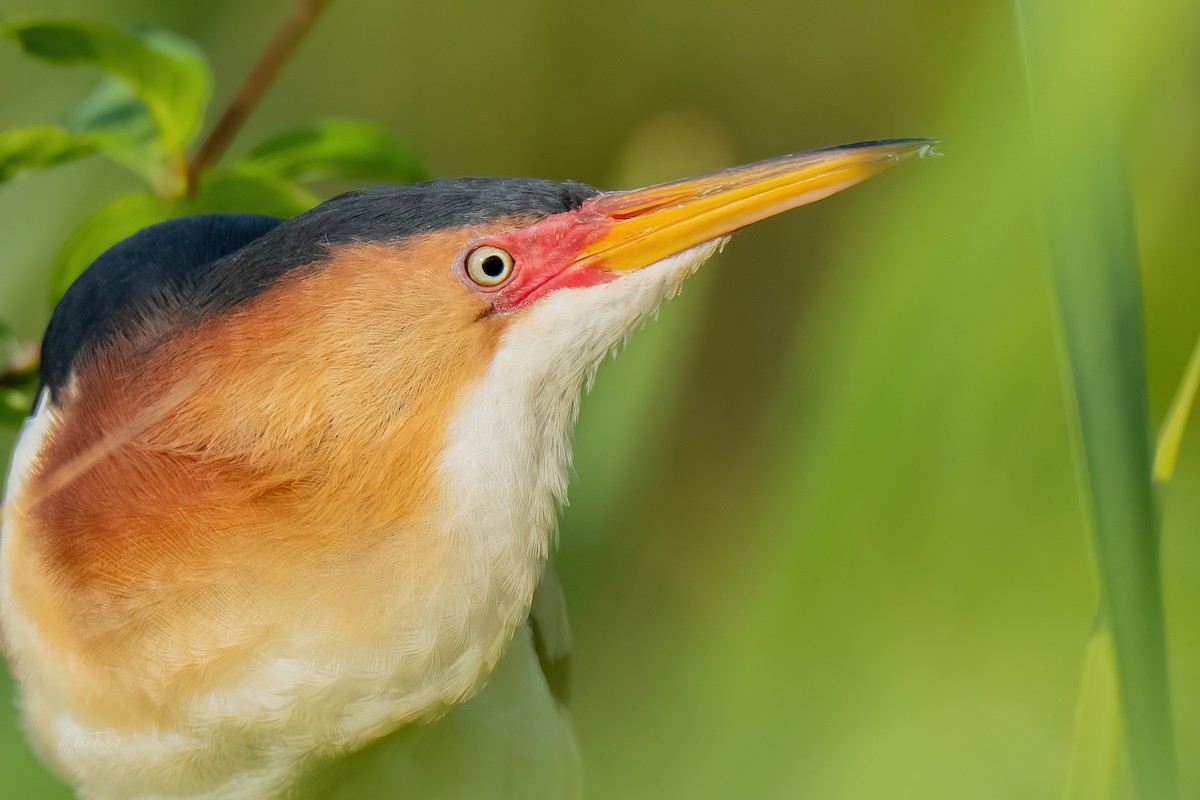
1090, 235
195, 88
41, 146
1170, 437
122, 127
167, 73
104, 228
336, 149
219, 192
247, 192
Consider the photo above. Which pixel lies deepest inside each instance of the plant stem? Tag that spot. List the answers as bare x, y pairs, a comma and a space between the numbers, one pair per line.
287, 38
26, 361
1093, 253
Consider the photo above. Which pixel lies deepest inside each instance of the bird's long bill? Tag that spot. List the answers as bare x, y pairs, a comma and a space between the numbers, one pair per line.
650, 224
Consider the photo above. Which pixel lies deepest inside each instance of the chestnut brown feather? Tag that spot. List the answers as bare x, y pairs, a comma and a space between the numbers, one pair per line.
323, 410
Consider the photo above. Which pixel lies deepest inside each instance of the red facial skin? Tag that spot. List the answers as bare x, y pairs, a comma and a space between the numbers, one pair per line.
546, 256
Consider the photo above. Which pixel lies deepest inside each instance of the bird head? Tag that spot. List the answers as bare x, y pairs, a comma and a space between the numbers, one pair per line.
301, 476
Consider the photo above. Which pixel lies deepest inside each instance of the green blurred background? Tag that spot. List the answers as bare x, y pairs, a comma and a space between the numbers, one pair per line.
825, 537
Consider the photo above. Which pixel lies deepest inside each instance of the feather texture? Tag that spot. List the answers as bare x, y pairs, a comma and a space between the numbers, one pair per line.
264, 541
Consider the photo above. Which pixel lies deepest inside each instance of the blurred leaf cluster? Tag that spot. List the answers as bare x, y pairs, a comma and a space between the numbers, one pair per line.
145, 113
21, 361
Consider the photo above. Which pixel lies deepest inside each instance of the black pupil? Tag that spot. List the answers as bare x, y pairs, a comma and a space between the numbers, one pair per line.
493, 266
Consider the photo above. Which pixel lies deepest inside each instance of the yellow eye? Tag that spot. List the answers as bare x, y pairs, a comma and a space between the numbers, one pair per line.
489, 266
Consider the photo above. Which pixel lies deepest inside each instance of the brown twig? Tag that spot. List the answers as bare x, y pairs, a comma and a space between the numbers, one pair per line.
281, 47
26, 360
